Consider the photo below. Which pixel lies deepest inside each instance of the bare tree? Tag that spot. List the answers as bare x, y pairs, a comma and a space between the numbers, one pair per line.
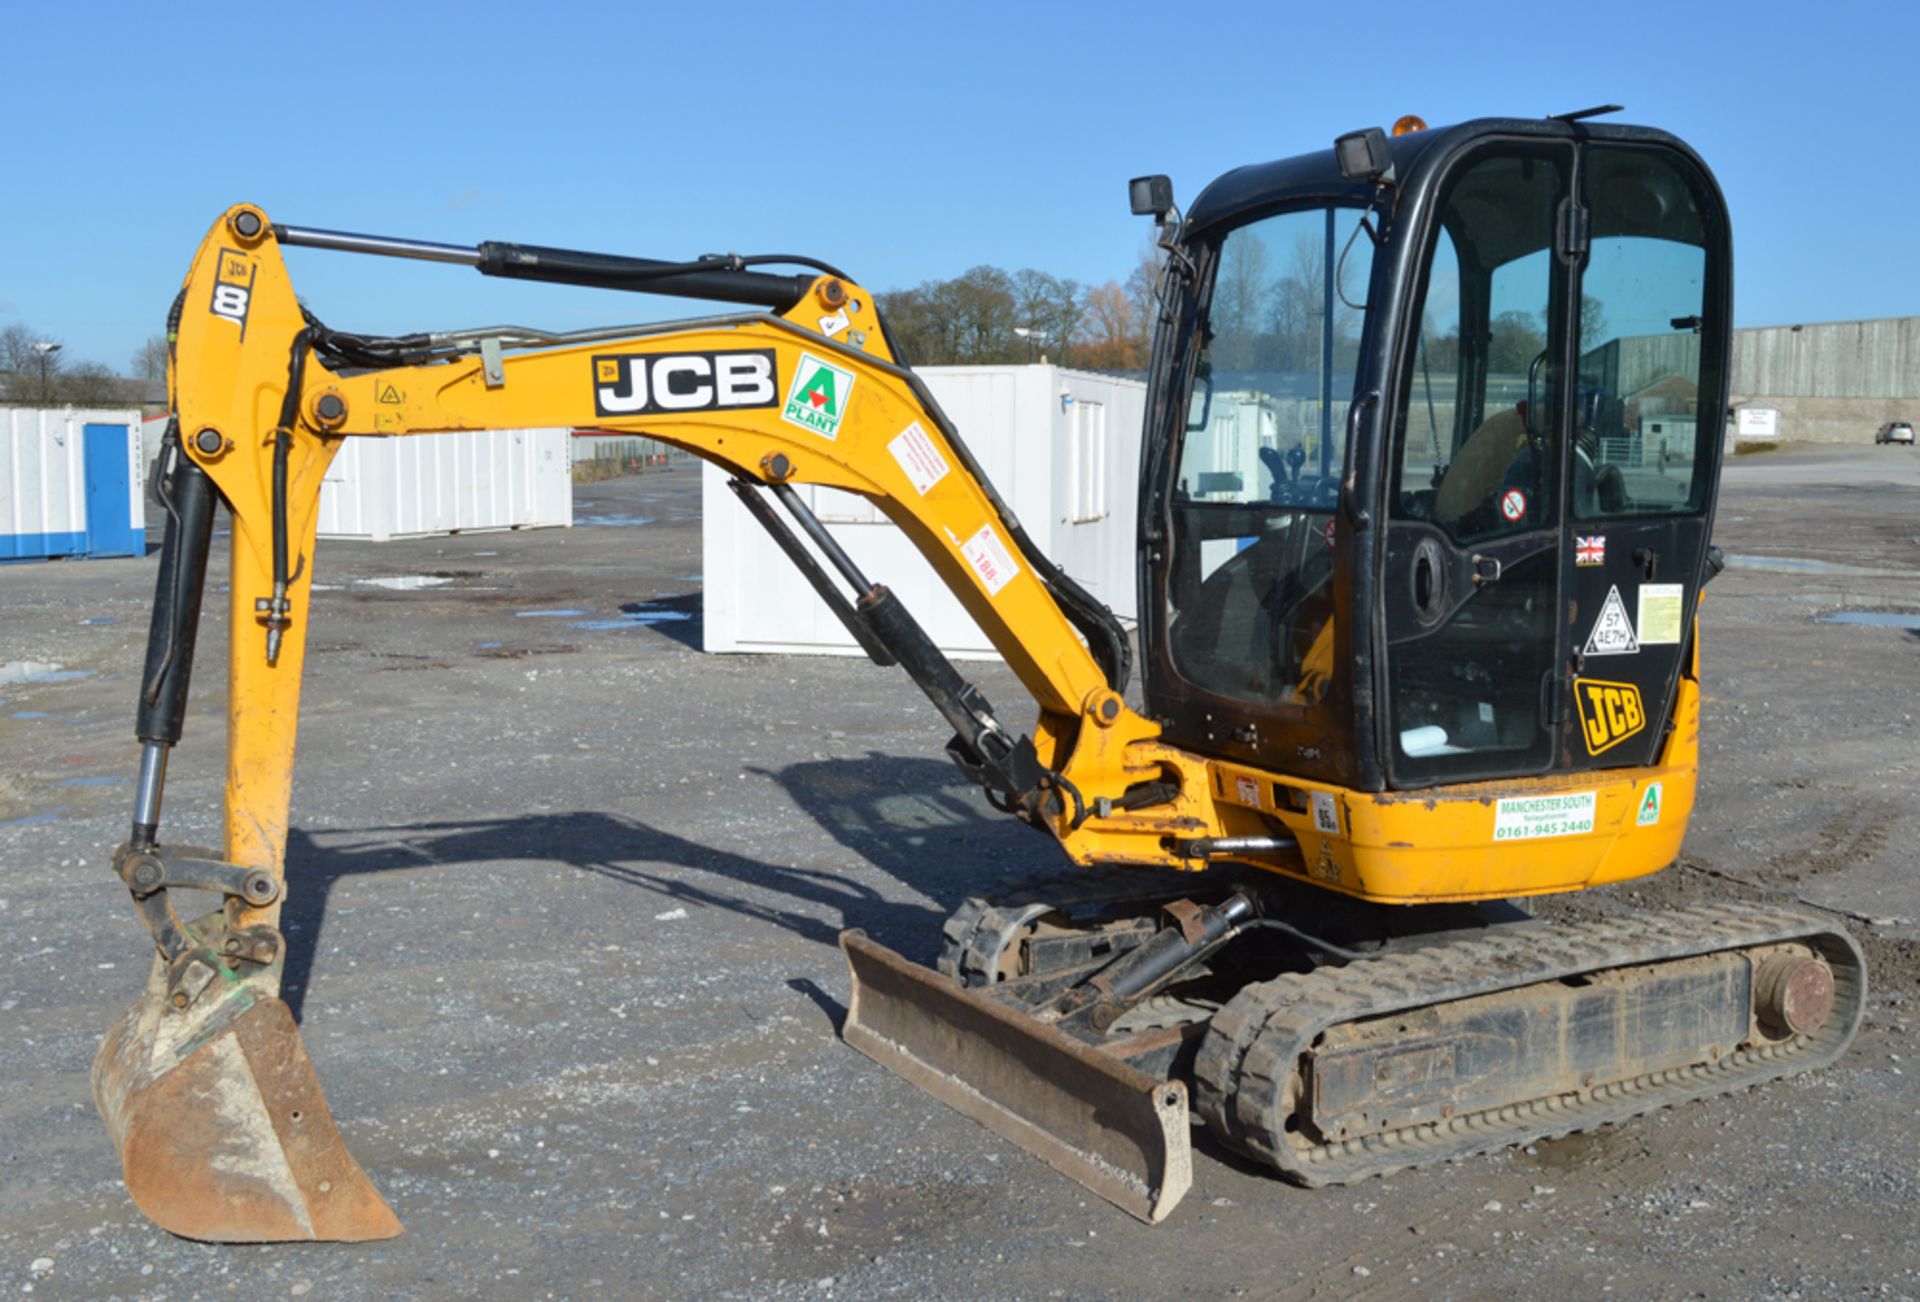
1143, 288
90, 384
150, 359
1111, 338
1050, 306
17, 354
28, 374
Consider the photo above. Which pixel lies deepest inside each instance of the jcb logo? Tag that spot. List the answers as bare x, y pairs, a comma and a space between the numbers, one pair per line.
1609, 713
642, 384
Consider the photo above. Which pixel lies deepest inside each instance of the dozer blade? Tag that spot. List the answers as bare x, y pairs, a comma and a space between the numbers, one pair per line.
1104, 1122
222, 1128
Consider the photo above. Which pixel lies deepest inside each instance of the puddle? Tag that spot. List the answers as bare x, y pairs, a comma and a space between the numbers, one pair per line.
32, 714
615, 521
639, 614
101, 781
102, 619
405, 582
36, 820
1873, 618
690, 578
548, 614
1800, 565
489, 646
33, 671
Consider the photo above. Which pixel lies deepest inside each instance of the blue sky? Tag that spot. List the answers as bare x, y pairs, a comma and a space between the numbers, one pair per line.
902, 142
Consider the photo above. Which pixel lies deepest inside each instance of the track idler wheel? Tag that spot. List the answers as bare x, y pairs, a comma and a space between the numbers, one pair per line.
1793, 994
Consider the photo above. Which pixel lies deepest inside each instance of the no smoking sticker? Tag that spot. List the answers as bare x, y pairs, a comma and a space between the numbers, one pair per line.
1513, 505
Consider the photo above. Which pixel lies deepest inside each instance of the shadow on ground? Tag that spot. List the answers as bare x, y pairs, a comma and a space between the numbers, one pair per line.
911, 819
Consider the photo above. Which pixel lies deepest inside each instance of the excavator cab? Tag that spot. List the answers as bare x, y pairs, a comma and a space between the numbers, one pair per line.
1431, 456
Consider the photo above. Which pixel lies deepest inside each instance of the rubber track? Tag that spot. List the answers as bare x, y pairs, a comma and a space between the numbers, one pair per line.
1256, 1048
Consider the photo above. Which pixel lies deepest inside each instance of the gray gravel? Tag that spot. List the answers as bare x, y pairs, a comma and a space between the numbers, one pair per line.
564, 901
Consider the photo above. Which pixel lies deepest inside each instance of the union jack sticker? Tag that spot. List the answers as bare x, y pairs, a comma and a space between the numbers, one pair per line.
1590, 549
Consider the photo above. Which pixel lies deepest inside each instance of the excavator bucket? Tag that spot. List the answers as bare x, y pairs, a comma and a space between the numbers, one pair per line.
222, 1128
1104, 1122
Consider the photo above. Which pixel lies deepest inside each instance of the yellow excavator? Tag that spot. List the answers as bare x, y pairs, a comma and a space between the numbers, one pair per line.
1426, 496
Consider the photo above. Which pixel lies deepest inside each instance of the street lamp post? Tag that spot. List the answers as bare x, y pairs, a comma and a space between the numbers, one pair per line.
46, 350
1035, 337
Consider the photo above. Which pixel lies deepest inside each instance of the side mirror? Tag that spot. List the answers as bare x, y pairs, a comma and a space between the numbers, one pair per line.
1363, 155
1151, 196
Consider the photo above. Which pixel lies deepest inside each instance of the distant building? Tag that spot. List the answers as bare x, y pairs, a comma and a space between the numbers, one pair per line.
1834, 382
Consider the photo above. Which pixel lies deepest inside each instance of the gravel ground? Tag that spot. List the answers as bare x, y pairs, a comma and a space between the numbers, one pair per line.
564, 899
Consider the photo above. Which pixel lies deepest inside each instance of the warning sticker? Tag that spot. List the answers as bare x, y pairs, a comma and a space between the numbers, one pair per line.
1513, 505
1248, 791
1326, 814
1613, 632
990, 560
1661, 606
1526, 818
919, 458
1649, 806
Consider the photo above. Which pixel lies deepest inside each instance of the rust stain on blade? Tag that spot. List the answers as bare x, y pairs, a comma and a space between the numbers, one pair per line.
226, 1137
1105, 1123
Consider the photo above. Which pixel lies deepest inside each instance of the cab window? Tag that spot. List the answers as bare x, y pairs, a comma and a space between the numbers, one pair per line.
1258, 481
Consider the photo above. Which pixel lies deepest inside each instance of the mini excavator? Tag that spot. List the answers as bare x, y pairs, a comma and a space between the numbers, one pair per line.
1426, 492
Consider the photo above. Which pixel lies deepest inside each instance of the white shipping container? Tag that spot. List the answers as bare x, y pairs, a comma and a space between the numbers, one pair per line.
71, 483
424, 484
1061, 446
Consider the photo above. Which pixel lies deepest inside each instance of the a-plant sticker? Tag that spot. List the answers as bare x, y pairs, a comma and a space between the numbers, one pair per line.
1649, 806
817, 397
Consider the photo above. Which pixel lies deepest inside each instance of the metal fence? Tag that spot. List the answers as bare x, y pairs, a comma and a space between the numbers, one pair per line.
606, 456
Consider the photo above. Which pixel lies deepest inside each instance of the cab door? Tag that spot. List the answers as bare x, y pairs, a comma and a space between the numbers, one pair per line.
1554, 456
1471, 594
1651, 339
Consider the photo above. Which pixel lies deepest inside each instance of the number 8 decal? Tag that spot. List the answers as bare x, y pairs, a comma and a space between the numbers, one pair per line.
230, 301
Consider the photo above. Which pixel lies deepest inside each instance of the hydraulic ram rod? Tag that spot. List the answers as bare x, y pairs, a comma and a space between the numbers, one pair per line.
569, 267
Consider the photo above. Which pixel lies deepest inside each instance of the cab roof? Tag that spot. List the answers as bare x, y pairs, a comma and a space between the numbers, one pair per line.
1417, 159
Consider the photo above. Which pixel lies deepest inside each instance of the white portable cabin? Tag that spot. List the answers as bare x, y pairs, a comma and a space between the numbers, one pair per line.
1061, 446
72, 483
426, 484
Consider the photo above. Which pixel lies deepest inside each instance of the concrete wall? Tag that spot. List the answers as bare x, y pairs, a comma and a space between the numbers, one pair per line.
1832, 420
1836, 382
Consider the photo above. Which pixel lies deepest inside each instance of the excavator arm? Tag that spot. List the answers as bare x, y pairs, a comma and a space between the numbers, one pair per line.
808, 392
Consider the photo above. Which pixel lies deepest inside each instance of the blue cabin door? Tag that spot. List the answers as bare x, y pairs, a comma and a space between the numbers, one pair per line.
110, 530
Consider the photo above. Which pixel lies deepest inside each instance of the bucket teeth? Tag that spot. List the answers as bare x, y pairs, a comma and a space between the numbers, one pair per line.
222, 1128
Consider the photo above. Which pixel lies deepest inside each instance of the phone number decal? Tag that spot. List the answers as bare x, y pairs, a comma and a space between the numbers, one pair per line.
1526, 818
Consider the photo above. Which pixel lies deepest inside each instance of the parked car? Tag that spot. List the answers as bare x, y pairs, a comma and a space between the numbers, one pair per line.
1895, 431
